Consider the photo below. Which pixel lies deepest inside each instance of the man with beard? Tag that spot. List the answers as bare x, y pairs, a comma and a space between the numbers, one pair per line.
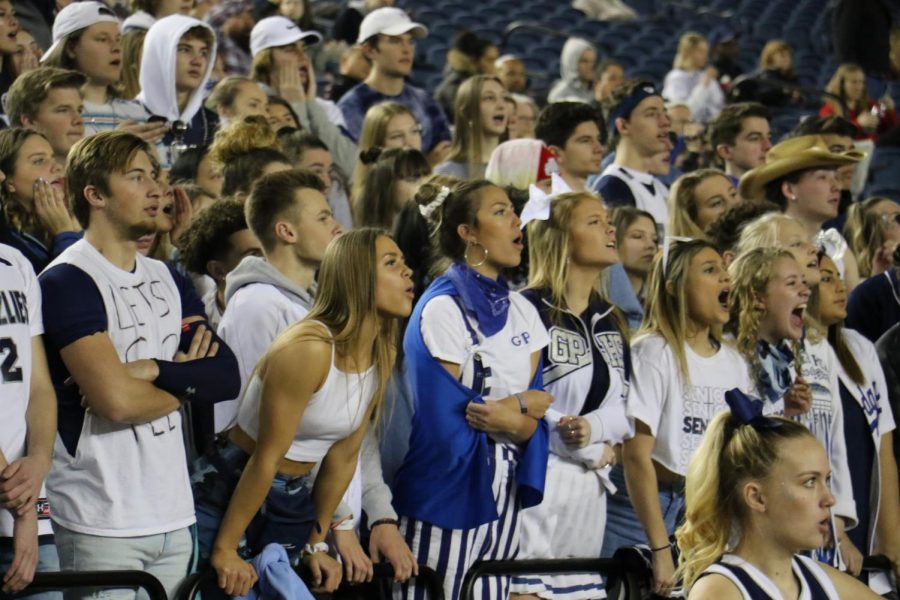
232, 20
127, 342
639, 128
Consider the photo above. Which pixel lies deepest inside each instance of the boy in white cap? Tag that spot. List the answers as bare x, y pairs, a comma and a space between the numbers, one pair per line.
387, 36
86, 39
281, 65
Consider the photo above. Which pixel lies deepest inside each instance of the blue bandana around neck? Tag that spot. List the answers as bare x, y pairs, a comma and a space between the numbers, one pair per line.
776, 373
487, 299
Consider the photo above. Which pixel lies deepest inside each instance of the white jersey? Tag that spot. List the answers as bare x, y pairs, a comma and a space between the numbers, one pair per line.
872, 397
753, 583
825, 420
649, 192
677, 413
20, 320
126, 480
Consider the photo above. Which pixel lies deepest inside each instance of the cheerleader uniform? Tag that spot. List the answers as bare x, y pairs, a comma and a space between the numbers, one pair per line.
815, 584
587, 367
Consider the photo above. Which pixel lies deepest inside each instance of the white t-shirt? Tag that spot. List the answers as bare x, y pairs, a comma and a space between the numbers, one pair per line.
825, 419
677, 414
20, 321
506, 355
872, 396
126, 480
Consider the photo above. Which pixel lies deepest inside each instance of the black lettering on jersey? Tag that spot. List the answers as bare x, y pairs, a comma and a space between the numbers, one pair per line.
9, 371
693, 425
163, 303
13, 307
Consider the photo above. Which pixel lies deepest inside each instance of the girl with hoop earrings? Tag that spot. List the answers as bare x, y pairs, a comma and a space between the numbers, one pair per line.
681, 370
478, 446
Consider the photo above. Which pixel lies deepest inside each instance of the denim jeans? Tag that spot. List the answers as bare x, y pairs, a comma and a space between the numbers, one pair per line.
48, 562
623, 528
286, 516
166, 556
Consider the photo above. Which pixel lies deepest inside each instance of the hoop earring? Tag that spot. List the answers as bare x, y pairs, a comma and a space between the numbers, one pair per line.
470, 245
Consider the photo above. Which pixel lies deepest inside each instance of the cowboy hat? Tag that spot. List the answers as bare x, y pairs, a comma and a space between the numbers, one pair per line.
791, 155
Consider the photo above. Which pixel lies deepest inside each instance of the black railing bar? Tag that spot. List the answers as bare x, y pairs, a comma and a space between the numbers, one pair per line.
190, 586
104, 579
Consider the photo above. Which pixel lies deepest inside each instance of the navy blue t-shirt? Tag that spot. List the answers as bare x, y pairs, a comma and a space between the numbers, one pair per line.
874, 306
860, 462
614, 191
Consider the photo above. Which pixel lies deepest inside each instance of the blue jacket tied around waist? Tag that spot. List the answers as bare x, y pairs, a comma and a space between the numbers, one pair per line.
446, 476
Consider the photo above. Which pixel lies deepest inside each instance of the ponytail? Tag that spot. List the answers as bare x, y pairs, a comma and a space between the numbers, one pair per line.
731, 454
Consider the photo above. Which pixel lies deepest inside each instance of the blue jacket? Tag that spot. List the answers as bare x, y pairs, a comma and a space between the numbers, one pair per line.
445, 478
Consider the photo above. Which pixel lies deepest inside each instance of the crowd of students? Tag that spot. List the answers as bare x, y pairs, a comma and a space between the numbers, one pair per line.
245, 326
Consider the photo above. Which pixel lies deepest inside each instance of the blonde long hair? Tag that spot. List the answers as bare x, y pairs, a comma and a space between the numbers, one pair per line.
688, 42
773, 47
345, 301
864, 232
763, 232
836, 86
683, 203
750, 275
132, 51
730, 455
549, 251
469, 134
374, 134
666, 312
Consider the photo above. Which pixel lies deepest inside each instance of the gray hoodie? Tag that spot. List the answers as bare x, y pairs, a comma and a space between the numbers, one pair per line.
570, 87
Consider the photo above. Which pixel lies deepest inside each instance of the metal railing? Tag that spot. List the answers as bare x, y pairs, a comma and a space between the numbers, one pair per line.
45, 582
192, 584
604, 566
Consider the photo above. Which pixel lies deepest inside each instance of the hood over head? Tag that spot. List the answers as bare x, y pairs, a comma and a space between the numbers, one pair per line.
158, 68
570, 55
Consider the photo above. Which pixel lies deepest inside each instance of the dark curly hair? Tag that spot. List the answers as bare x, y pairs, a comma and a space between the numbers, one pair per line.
206, 238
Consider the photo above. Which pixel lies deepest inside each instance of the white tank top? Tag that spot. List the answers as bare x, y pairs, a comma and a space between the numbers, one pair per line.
334, 412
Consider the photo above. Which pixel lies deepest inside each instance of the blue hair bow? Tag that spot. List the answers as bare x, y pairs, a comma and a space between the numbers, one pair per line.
749, 411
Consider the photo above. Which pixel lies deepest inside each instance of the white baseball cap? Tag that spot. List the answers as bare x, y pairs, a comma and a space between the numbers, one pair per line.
389, 21
76, 17
272, 32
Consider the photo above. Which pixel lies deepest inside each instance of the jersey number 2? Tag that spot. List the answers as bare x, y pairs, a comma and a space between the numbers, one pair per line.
8, 369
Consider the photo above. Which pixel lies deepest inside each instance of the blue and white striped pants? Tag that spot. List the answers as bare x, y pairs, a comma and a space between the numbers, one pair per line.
451, 552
